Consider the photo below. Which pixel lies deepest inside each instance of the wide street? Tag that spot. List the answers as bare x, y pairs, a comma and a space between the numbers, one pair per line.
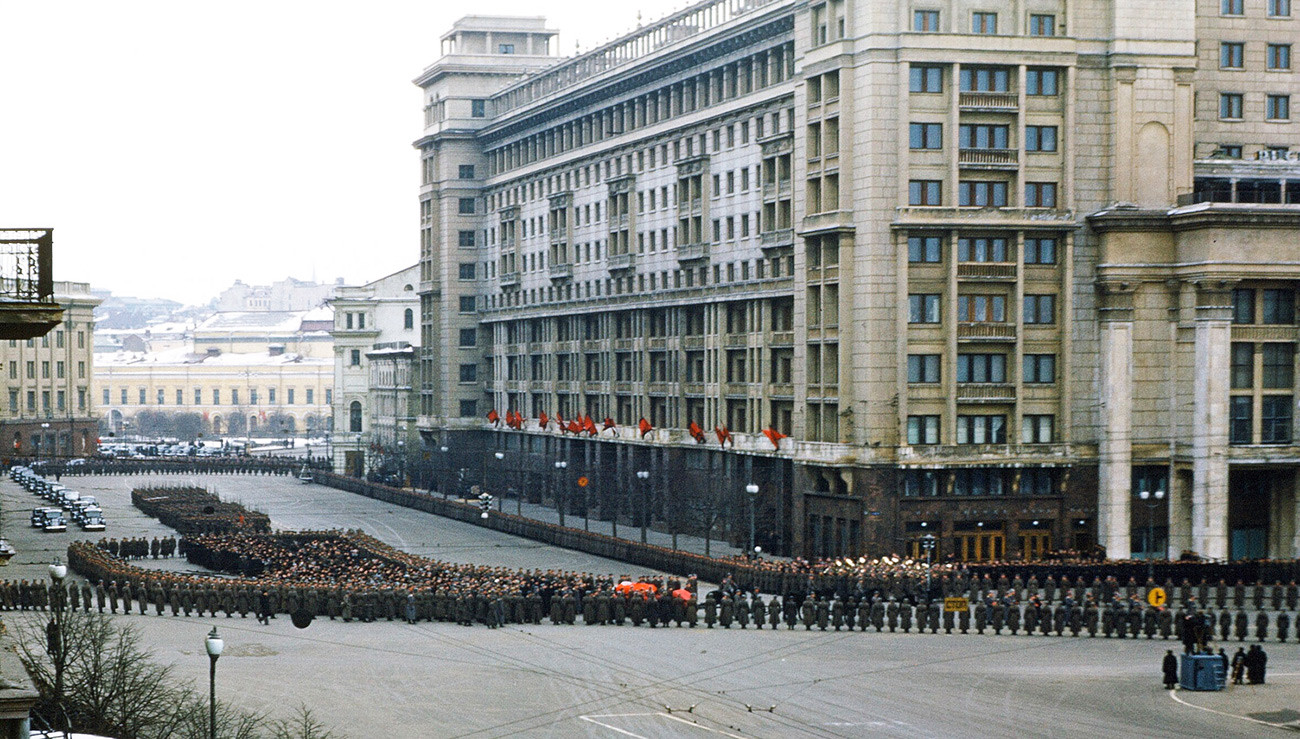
440, 680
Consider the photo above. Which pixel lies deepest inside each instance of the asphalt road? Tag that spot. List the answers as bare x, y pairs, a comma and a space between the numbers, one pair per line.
440, 680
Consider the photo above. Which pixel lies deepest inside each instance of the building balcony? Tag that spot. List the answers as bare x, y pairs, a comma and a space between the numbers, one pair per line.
989, 455
624, 388
988, 158
561, 271
986, 332
774, 190
693, 388
619, 262
566, 386
781, 338
509, 279
986, 270
657, 342
1005, 102
27, 307
735, 389
624, 345
780, 390
593, 345
985, 392
693, 342
736, 340
777, 239
692, 252
660, 388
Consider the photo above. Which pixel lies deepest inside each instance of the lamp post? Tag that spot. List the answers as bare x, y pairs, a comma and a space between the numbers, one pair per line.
561, 496
752, 489
401, 463
644, 477
1152, 500
927, 543
500, 456
45, 432
446, 479
213, 644
54, 638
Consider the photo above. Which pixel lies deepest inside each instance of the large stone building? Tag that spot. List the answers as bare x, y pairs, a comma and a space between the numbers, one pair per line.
374, 366
288, 294
48, 409
998, 270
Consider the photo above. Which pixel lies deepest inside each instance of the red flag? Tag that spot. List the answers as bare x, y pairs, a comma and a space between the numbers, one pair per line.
774, 436
493, 418
518, 421
589, 426
608, 423
559, 422
723, 435
543, 420
645, 427
697, 433
575, 427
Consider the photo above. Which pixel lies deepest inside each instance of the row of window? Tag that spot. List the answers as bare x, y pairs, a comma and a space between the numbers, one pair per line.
980, 136
1232, 107
925, 308
1275, 419
291, 397
929, 249
977, 482
1039, 81
982, 429
45, 341
1232, 55
59, 370
1276, 365
59, 401
981, 194
982, 22
1274, 8
1038, 369
1268, 306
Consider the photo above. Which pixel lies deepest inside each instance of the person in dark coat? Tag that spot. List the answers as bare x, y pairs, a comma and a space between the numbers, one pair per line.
1170, 666
1238, 665
1256, 660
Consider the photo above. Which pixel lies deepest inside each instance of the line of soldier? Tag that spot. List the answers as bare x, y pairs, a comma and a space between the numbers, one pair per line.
189, 466
140, 547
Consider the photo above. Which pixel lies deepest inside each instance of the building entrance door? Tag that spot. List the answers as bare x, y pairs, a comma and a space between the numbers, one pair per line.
981, 547
1034, 544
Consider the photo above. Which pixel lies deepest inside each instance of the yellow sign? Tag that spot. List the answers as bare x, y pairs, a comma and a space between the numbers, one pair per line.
1156, 597
955, 605
582, 482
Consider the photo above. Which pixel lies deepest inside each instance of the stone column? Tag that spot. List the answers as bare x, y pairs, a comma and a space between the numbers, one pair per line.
1210, 419
1114, 473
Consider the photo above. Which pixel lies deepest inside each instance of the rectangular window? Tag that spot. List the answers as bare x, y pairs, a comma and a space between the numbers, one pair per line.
981, 368
981, 194
466, 270
465, 206
1042, 25
1040, 369
1279, 365
923, 368
981, 429
1230, 105
198, 396
926, 135
1277, 307
467, 304
920, 484
1277, 107
1040, 251
923, 249
982, 308
1040, 138
924, 192
311, 392
1279, 56
1038, 429
1243, 305
1232, 55
142, 396
1240, 419
1042, 81
925, 21
13, 398
465, 238
355, 359
1040, 309
984, 23
1242, 368
468, 408
1232, 7
216, 396
983, 136
1278, 8
1040, 194
270, 395
982, 249
468, 338
985, 79
465, 171
925, 78
979, 482
477, 108
162, 397
922, 429
1275, 419
468, 372
1228, 151
923, 308
289, 400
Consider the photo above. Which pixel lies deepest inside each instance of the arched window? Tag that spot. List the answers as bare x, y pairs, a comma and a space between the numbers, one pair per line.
354, 417
409, 321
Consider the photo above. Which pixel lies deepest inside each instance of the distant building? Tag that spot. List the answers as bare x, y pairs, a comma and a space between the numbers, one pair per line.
305, 332
374, 413
48, 407
285, 295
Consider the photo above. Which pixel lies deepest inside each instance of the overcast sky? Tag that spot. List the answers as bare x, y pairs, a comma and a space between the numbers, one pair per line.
176, 146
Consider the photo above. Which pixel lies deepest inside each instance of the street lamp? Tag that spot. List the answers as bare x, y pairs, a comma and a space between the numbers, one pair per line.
927, 543
213, 644
500, 468
1152, 500
54, 638
446, 480
752, 489
40, 448
644, 477
401, 463
561, 492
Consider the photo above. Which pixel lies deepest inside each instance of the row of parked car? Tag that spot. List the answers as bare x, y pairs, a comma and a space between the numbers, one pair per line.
83, 510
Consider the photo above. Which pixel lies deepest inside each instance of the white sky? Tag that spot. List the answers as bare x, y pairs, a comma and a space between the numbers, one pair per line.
176, 146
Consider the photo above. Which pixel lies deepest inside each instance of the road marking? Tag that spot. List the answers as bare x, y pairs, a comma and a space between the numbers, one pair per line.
692, 723
592, 719
1230, 715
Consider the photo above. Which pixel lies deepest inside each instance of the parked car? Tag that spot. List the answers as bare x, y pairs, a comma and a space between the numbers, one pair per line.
92, 519
54, 520
38, 517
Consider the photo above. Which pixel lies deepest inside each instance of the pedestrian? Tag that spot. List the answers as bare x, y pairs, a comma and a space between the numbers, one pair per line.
1238, 665
1170, 666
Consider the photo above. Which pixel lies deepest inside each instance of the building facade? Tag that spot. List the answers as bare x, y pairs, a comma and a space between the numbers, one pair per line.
986, 265
374, 418
49, 409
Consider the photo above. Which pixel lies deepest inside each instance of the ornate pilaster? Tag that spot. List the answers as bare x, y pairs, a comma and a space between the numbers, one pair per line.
1115, 306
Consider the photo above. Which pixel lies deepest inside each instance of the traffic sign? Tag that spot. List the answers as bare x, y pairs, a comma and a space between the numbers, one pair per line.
955, 605
582, 482
1156, 597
